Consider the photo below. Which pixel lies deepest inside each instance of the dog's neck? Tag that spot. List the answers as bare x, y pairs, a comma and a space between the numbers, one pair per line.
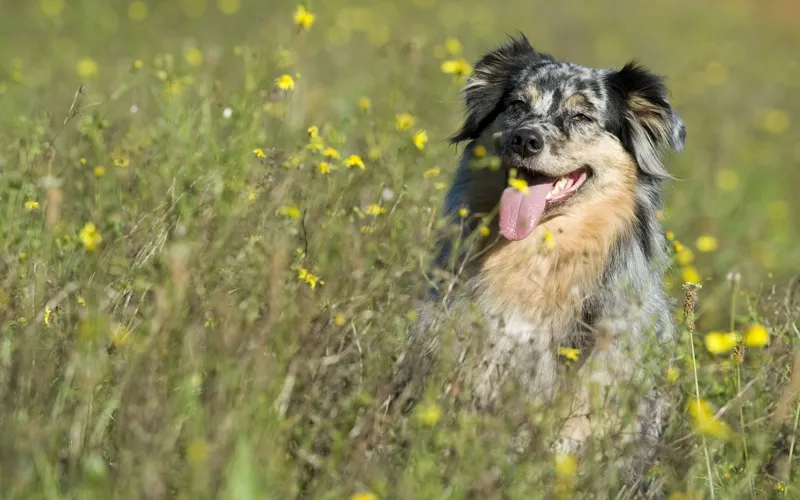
547, 277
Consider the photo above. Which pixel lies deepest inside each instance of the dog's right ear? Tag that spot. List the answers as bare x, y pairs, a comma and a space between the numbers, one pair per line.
489, 85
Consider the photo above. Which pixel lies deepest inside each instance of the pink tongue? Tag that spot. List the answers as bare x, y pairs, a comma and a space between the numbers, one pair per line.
519, 212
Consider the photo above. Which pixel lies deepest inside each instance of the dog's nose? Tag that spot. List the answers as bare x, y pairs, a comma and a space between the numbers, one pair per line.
527, 142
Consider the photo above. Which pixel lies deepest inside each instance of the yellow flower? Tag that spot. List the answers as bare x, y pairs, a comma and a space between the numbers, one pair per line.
375, 209
99, 171
684, 256
137, 11
429, 414
289, 211
519, 185
313, 132
458, 67
81, 301
453, 46
86, 67
364, 103
47, 313
339, 319
670, 235
31, 205
252, 196
312, 279
719, 342
403, 121
756, 336
354, 161
727, 179
193, 56
704, 421
566, 465
285, 82
138, 64
119, 158
325, 168
331, 153
569, 353
120, 336
90, 236
431, 172
197, 451
303, 18
484, 231
673, 374
463, 212
479, 151
706, 243
420, 139
315, 145
364, 495
259, 153
440, 185
549, 240
689, 274
83, 161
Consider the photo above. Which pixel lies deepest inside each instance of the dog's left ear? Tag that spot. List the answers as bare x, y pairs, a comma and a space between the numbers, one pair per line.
492, 79
649, 121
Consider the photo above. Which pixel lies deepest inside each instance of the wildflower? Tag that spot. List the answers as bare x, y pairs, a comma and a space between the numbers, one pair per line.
431, 172
339, 319
566, 465
315, 145
138, 64
673, 374
285, 82
706, 243
47, 313
331, 153
479, 151
458, 67
704, 420
364, 495
193, 56
99, 171
227, 112
484, 231
463, 212
119, 158
252, 196
519, 185
289, 211
670, 235
303, 18
325, 168
690, 274
569, 353
259, 153
364, 103
354, 161
375, 209
86, 67
412, 315
429, 414
727, 179
81, 301
453, 46
403, 121
312, 279
82, 161
31, 205
684, 256
440, 185
718, 342
420, 139
197, 451
313, 132
756, 336
137, 11
90, 236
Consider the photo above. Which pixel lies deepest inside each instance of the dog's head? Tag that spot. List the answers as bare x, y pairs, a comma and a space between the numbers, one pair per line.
572, 133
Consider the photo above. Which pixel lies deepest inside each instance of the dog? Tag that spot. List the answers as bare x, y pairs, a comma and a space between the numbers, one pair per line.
558, 247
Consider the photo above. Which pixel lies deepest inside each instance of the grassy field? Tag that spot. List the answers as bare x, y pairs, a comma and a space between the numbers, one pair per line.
203, 296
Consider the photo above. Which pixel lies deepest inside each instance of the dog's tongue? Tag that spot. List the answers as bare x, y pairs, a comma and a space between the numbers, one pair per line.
520, 212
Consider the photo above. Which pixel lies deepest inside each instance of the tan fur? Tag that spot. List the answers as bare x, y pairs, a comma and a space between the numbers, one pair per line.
532, 92
575, 101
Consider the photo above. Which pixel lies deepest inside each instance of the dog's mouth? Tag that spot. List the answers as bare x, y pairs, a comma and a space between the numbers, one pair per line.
523, 203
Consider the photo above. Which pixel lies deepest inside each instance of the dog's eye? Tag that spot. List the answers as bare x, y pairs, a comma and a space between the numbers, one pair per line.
580, 117
517, 104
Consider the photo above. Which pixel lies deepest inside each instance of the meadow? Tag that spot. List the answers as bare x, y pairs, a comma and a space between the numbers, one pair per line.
216, 215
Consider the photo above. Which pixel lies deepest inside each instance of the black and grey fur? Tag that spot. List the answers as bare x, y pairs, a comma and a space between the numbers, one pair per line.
601, 120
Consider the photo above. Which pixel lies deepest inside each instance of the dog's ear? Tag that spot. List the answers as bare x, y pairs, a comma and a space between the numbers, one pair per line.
649, 122
491, 81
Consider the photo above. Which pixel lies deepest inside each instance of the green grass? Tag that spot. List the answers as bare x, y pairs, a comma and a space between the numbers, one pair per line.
185, 357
